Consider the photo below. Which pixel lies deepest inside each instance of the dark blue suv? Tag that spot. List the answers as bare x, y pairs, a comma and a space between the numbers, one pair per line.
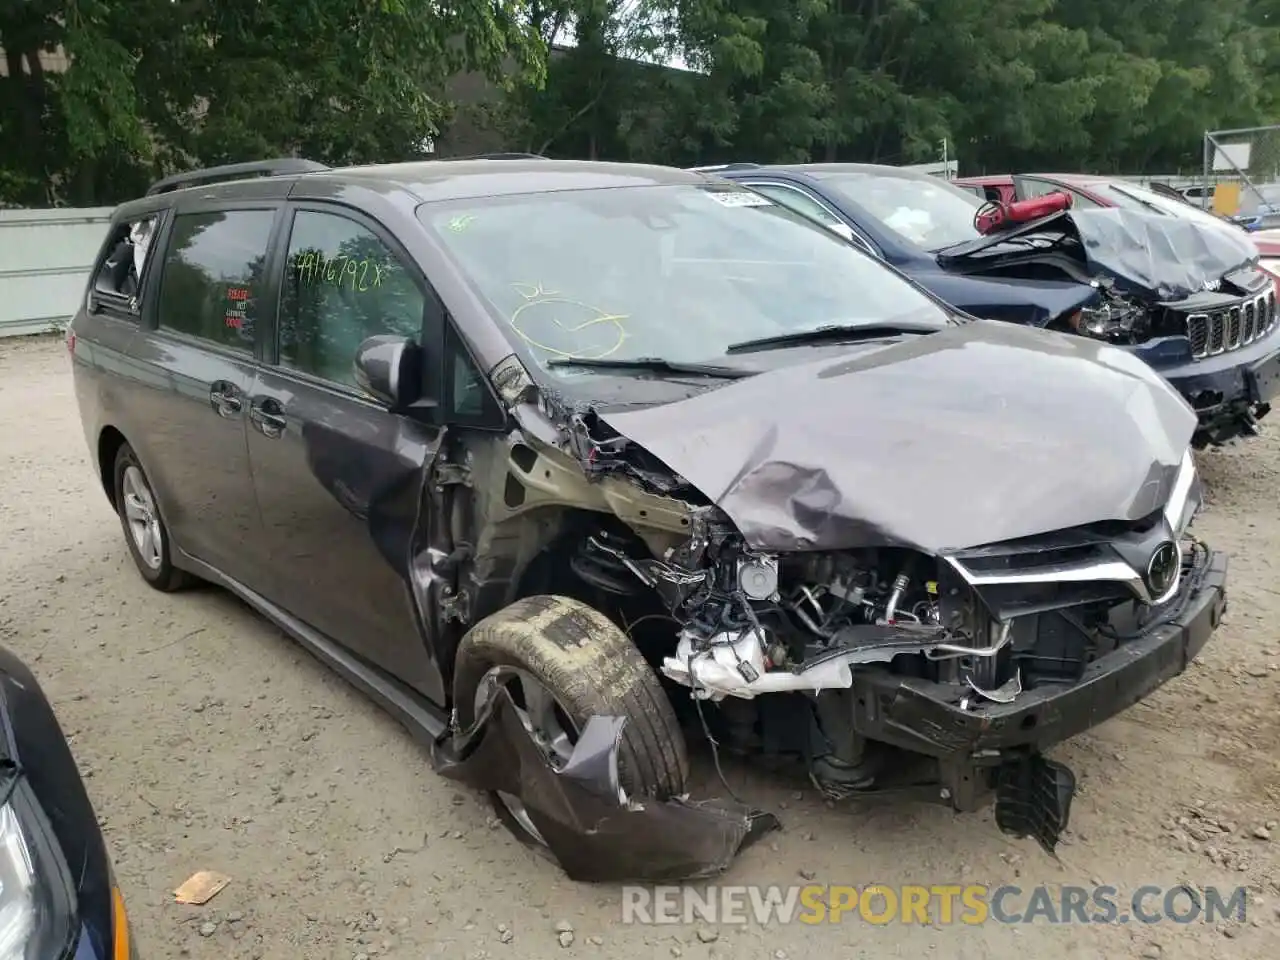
1189, 300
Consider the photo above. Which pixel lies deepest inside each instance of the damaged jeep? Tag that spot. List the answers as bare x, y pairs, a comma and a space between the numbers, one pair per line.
1187, 296
572, 466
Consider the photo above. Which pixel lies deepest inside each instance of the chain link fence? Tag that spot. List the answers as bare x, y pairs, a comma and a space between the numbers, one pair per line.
1242, 174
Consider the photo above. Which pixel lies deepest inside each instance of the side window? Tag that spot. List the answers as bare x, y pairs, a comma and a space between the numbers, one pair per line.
1028, 188
469, 396
213, 275
121, 272
1081, 202
342, 285
797, 201
807, 206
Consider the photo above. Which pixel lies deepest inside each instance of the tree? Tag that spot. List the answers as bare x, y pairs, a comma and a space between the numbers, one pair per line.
154, 86
1011, 84
600, 53
157, 85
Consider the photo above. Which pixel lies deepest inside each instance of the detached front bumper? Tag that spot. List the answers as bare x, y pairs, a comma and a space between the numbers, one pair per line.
933, 719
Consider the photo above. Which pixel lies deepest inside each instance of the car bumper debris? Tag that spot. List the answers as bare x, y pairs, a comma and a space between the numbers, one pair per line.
594, 831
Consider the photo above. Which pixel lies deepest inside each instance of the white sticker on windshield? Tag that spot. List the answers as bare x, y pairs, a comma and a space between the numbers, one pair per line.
739, 198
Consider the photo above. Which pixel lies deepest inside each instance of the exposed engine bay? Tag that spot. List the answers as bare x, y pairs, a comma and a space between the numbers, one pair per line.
756, 623
929, 621
983, 628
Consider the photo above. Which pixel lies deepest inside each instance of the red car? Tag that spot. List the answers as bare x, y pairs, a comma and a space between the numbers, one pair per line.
1091, 190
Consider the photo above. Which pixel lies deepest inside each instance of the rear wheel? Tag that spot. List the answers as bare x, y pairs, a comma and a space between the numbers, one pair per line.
144, 530
563, 662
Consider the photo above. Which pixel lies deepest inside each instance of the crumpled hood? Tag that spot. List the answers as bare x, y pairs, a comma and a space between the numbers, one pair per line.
1148, 254
983, 432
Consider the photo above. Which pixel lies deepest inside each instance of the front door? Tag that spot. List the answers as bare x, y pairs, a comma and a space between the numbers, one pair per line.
194, 371
338, 478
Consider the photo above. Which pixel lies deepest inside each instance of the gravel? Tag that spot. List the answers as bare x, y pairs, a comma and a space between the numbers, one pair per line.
210, 741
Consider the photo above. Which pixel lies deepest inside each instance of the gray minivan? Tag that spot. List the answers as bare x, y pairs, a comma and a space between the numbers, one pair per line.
559, 460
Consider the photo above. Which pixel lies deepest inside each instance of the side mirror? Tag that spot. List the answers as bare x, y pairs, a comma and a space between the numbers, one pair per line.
389, 368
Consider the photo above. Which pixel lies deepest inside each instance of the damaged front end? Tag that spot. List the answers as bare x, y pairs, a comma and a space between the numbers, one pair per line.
888, 601
949, 674
1188, 299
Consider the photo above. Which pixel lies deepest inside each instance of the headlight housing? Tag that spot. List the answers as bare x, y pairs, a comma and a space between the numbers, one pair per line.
1114, 319
37, 898
1186, 496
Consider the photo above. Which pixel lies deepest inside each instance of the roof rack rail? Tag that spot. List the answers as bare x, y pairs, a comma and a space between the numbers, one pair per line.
235, 171
737, 165
497, 156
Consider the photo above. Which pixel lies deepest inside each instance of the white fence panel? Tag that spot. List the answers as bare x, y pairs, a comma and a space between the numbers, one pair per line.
45, 260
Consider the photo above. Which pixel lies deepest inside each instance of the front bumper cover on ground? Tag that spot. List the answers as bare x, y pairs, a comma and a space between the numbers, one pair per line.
594, 831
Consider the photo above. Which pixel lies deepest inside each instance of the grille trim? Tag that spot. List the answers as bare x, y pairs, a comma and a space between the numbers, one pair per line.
1230, 328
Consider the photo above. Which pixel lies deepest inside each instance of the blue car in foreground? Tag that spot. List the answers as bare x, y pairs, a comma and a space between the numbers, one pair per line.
1185, 296
58, 895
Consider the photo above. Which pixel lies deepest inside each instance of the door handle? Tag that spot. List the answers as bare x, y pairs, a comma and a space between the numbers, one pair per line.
225, 400
268, 416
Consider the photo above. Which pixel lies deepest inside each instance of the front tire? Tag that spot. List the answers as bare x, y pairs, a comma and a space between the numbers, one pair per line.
563, 662
145, 532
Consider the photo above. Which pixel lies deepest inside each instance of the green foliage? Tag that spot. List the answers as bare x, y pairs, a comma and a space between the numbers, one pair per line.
157, 85
1010, 84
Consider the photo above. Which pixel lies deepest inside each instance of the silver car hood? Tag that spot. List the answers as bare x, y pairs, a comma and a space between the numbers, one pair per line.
980, 433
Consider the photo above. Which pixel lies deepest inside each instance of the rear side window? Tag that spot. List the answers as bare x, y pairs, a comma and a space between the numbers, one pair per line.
120, 274
342, 285
801, 203
1042, 188
213, 275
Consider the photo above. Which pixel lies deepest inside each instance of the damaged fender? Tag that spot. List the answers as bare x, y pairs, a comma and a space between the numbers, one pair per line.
595, 832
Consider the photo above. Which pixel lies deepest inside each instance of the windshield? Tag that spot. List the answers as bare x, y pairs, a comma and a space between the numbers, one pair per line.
676, 272
928, 212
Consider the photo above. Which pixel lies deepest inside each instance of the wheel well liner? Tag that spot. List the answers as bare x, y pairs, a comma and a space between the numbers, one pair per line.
110, 440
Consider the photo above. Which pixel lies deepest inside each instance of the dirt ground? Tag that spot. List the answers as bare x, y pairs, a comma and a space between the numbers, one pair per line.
211, 741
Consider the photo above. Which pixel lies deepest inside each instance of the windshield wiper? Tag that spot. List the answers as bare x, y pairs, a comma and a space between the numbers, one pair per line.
653, 365
833, 333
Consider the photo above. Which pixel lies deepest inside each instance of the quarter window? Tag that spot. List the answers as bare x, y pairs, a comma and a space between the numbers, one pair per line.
1081, 202
1037, 188
121, 272
1042, 188
806, 205
342, 285
469, 398
213, 274
801, 203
